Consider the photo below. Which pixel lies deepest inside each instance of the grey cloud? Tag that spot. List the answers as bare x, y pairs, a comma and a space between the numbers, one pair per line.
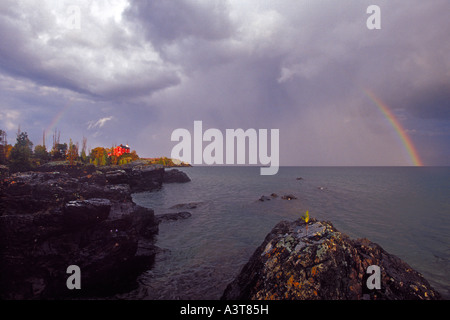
18, 58
100, 61
431, 103
168, 21
300, 66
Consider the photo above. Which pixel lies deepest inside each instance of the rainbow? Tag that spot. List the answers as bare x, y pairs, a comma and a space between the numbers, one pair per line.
57, 118
406, 140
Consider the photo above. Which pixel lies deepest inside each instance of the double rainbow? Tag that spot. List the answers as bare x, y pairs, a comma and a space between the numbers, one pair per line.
401, 132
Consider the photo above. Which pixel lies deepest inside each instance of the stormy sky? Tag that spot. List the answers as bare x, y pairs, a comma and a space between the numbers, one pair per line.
131, 72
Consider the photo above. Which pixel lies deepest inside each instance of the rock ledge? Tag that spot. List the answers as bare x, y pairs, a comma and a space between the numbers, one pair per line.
314, 261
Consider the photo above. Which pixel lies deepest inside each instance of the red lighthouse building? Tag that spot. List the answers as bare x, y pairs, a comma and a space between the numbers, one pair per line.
119, 150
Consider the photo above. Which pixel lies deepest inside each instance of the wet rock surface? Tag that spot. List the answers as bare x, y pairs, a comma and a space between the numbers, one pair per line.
190, 205
264, 198
175, 176
82, 216
173, 216
315, 261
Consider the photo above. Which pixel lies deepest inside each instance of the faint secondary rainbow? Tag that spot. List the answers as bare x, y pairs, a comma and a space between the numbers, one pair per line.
406, 140
57, 118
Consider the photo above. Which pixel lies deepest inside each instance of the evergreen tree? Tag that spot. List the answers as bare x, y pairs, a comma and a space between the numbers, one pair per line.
21, 153
59, 151
41, 154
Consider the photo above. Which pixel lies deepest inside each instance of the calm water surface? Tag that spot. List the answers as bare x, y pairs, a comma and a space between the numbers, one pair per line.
404, 209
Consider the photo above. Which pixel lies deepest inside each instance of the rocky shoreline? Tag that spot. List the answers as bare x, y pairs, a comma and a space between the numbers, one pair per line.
56, 217
59, 216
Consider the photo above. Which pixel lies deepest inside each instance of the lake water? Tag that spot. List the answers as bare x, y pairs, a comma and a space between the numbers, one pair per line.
406, 210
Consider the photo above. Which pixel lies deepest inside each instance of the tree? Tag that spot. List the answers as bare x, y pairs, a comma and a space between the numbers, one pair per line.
72, 152
41, 154
3, 144
59, 151
21, 153
84, 157
127, 158
98, 156
113, 159
134, 156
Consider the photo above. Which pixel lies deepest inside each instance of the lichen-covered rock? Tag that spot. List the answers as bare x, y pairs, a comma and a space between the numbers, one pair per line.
315, 261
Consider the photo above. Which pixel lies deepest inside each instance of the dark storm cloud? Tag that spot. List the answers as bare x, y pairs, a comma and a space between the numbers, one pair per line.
19, 58
431, 103
301, 66
168, 21
98, 60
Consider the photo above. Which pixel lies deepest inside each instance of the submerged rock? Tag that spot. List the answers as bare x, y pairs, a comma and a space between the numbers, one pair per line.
187, 206
173, 216
315, 261
264, 198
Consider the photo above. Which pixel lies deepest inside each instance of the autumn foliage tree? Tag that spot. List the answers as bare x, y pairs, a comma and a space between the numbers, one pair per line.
99, 156
72, 152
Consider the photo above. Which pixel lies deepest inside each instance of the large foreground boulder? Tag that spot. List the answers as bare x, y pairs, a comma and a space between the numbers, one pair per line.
315, 261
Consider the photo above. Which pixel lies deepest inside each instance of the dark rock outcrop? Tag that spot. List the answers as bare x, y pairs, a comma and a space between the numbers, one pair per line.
146, 178
30, 192
85, 217
36, 249
85, 212
137, 175
175, 176
315, 261
74, 171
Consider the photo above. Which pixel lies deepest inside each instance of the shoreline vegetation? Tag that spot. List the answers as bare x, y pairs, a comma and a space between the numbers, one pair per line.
21, 156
